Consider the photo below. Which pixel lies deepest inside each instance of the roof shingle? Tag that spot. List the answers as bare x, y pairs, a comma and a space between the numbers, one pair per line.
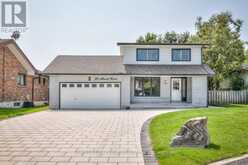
114, 65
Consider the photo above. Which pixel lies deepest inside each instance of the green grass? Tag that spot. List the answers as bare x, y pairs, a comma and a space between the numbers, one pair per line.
228, 128
12, 112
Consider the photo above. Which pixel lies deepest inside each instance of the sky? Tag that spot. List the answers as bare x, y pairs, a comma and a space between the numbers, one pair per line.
93, 27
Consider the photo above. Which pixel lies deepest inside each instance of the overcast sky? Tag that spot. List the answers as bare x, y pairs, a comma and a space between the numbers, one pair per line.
92, 27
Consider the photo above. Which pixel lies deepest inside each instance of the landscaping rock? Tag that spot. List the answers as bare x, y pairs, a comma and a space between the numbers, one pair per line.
194, 133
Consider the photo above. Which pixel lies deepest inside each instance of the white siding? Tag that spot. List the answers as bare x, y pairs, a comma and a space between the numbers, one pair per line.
54, 81
129, 53
199, 90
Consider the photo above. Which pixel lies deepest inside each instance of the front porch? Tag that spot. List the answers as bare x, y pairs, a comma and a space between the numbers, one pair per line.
161, 91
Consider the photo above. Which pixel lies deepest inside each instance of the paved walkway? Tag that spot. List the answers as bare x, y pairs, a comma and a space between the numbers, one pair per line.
74, 138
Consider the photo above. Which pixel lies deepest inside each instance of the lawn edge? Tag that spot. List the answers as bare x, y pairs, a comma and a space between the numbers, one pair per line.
20, 115
146, 144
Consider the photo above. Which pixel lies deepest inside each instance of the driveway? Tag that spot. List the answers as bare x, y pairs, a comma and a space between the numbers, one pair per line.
74, 138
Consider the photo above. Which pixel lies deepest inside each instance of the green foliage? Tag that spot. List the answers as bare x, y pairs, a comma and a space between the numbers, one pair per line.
225, 52
168, 37
228, 132
237, 83
246, 57
12, 112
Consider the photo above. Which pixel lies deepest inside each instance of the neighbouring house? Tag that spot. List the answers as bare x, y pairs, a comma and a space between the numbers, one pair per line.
20, 83
243, 73
143, 74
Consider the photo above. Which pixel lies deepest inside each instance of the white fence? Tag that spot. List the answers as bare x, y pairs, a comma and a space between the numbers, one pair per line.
216, 97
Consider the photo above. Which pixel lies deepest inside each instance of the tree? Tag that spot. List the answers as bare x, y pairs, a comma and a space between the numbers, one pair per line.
148, 38
168, 38
225, 52
246, 56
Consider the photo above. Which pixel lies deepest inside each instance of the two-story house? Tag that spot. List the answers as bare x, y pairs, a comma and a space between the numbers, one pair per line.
143, 74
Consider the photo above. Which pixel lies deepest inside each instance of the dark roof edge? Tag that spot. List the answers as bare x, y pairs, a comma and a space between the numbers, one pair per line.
116, 74
134, 43
12, 41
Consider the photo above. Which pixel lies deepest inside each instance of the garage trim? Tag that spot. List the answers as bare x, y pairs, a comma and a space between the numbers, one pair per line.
88, 83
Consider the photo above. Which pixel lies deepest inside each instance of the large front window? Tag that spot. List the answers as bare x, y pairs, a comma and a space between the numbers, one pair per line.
147, 86
181, 54
147, 54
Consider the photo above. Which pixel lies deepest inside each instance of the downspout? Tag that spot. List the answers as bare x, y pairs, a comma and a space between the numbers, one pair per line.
33, 78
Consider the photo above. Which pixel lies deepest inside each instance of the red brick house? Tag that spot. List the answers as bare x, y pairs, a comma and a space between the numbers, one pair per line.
21, 83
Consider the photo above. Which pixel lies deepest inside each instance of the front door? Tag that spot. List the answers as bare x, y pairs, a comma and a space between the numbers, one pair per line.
176, 91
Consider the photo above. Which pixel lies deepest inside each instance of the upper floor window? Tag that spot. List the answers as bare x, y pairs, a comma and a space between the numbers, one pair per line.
21, 79
147, 54
181, 54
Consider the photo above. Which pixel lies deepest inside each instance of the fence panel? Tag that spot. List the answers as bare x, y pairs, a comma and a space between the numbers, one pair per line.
217, 97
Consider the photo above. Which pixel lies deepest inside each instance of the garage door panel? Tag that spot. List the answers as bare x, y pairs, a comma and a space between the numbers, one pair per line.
90, 95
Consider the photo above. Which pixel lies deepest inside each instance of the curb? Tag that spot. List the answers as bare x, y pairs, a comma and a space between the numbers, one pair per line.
148, 154
242, 160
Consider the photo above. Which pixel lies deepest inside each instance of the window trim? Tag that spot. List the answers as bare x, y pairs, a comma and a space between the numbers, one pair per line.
150, 89
174, 60
24, 79
137, 49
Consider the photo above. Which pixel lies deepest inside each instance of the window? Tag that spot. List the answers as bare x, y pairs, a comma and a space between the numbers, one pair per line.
109, 85
181, 54
117, 85
147, 86
86, 85
101, 85
21, 79
176, 85
94, 85
71, 85
147, 54
44, 81
79, 85
64, 85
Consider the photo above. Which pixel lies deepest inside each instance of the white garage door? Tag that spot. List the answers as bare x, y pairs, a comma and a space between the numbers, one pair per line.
89, 95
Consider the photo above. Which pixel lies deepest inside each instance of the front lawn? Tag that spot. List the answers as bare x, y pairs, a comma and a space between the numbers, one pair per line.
12, 112
228, 129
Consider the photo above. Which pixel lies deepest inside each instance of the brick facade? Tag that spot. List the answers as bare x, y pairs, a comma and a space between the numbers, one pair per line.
10, 67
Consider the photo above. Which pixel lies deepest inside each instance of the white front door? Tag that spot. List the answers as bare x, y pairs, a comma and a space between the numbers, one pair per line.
90, 95
176, 91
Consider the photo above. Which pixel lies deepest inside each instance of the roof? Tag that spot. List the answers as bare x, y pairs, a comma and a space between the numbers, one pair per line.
86, 65
114, 65
7, 42
169, 69
135, 43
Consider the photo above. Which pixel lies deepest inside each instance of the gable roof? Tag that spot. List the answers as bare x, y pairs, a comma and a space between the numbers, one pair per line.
20, 55
87, 65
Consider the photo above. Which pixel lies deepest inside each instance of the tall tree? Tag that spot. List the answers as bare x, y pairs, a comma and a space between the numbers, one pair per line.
148, 38
168, 37
225, 52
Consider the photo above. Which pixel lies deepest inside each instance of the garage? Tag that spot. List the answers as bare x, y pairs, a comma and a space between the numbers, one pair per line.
90, 95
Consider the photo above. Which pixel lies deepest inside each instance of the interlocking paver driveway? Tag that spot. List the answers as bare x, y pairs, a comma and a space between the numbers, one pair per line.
74, 137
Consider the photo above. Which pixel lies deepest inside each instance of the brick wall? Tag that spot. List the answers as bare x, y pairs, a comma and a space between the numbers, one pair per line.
1, 73
13, 91
41, 89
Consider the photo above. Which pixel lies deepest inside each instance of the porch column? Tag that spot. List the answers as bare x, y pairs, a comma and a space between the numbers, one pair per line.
199, 90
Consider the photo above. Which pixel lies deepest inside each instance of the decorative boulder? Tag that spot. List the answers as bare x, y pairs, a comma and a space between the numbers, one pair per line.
194, 133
